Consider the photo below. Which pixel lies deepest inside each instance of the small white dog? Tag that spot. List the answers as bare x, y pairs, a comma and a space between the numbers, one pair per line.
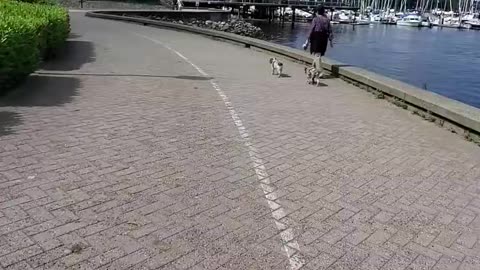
277, 67
313, 76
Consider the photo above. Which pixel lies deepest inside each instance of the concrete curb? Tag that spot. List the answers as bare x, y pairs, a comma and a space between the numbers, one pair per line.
457, 113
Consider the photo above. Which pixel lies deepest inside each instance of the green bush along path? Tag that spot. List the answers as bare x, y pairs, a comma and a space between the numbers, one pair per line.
28, 34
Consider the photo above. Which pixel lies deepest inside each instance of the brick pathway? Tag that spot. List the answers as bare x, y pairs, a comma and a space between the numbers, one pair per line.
123, 156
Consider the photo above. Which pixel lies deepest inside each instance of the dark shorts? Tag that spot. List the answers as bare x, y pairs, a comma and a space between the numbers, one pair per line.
318, 43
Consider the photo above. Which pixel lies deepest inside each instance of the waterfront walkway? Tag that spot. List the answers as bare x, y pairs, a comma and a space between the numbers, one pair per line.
144, 148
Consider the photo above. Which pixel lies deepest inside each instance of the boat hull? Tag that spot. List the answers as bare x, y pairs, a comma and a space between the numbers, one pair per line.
389, 22
473, 24
426, 24
410, 24
361, 23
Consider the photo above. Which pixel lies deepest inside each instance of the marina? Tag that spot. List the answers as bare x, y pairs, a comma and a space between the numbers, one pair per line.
442, 60
421, 13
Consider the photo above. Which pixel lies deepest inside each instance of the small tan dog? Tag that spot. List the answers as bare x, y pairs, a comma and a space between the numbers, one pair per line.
313, 76
277, 67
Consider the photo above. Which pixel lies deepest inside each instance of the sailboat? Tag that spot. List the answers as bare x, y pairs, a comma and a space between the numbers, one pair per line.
361, 19
412, 20
473, 22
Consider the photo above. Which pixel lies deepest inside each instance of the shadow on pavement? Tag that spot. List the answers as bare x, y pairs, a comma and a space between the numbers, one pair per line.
181, 77
7, 121
322, 85
193, 78
39, 90
42, 91
73, 56
329, 76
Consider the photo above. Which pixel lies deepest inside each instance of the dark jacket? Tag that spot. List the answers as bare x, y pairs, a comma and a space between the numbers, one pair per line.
320, 33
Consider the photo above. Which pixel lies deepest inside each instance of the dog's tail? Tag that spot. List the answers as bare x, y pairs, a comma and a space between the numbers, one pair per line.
280, 64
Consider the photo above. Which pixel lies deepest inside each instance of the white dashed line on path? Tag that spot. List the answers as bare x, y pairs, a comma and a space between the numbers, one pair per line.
290, 244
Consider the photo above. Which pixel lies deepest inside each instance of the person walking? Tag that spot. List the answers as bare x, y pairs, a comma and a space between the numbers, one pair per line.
320, 34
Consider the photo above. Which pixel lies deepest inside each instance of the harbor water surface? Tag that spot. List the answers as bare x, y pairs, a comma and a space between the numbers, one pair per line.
442, 60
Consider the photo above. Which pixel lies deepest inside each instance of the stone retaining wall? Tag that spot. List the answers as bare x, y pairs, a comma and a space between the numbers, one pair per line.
177, 15
236, 26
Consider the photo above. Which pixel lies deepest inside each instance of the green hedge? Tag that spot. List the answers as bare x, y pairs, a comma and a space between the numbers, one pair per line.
43, 2
28, 34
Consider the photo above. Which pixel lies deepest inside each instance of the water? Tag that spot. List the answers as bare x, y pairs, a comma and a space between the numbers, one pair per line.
445, 61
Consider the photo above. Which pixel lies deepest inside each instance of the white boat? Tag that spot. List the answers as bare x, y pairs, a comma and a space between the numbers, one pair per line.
361, 23
303, 14
345, 19
376, 18
474, 24
451, 21
410, 20
472, 20
426, 22
390, 19
435, 21
361, 20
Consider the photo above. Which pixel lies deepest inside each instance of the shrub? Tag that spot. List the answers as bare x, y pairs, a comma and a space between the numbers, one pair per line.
42, 2
19, 53
28, 33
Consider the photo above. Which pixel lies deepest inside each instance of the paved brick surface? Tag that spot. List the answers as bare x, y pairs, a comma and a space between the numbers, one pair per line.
123, 156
